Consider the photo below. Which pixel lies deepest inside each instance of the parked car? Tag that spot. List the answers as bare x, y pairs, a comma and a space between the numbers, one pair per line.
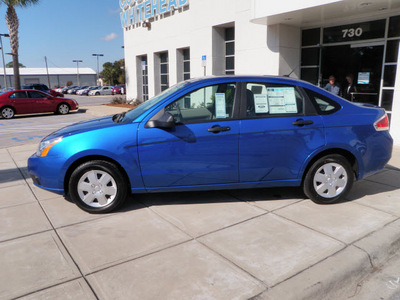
73, 91
67, 88
86, 91
118, 89
58, 90
31, 101
102, 90
41, 87
218, 133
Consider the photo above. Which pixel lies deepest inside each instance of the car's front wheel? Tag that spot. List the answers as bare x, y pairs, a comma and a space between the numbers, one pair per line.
63, 109
329, 179
98, 187
7, 113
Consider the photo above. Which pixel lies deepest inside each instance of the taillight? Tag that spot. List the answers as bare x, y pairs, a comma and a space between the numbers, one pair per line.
382, 123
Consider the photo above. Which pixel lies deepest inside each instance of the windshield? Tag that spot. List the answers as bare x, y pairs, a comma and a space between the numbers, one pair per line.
131, 115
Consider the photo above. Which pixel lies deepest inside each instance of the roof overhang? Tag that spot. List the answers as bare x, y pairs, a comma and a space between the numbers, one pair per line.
311, 13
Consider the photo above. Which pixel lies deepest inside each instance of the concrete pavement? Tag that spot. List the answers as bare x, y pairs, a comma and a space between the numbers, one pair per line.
241, 244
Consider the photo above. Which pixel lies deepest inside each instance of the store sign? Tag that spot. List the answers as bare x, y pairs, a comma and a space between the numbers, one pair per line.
355, 32
138, 11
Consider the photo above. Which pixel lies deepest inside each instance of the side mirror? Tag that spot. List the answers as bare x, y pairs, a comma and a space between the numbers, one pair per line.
163, 120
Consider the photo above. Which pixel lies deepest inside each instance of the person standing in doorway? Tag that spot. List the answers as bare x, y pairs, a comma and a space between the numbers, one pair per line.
332, 86
351, 88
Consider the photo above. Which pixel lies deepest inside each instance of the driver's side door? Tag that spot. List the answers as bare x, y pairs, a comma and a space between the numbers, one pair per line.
42, 102
201, 148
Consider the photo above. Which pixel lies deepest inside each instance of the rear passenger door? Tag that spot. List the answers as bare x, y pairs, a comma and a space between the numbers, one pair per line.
279, 130
21, 102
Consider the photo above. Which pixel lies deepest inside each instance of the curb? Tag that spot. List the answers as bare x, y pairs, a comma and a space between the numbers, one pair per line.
340, 275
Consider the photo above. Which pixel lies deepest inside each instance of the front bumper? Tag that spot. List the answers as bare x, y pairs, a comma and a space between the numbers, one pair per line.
45, 173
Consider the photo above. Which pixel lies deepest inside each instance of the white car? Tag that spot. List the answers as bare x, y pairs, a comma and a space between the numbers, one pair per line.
103, 90
86, 90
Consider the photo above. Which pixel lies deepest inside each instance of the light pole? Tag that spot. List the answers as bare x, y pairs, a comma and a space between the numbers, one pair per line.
97, 55
77, 68
2, 54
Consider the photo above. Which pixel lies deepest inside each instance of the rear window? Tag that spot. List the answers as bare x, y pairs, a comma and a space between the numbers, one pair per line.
323, 104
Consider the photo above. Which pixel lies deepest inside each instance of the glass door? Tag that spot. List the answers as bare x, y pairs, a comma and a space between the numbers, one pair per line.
361, 63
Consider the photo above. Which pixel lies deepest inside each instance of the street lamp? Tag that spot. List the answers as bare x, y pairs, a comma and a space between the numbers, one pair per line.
97, 64
77, 68
2, 54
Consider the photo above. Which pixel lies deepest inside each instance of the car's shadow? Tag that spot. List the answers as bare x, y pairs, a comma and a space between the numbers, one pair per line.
370, 186
41, 115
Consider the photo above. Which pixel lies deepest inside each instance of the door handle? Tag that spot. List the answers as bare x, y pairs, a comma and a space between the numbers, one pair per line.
218, 129
301, 122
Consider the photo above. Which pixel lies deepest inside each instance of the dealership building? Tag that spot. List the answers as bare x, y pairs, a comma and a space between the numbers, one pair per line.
167, 41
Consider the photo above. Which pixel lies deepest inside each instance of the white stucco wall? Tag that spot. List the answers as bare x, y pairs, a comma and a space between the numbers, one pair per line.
258, 49
395, 123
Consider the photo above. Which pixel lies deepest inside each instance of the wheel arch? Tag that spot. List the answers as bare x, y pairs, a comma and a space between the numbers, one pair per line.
85, 159
343, 152
59, 104
9, 106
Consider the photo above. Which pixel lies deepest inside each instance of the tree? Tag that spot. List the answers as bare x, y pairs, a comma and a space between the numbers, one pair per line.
11, 65
13, 25
114, 73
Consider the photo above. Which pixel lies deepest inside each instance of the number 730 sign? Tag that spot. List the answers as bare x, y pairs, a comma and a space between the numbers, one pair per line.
355, 32
350, 32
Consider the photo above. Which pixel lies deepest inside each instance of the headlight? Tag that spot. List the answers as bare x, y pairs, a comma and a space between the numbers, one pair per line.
46, 145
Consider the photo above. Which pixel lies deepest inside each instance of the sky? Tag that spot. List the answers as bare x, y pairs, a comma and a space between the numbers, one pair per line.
64, 31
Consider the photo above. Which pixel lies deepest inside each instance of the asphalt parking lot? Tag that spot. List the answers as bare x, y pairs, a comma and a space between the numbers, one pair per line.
242, 244
25, 129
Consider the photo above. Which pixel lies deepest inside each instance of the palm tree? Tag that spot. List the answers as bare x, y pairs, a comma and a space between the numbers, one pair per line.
13, 24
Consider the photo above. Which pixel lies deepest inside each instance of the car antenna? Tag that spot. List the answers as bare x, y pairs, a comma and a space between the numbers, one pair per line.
288, 75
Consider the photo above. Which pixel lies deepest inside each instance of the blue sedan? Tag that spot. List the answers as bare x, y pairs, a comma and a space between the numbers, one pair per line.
228, 132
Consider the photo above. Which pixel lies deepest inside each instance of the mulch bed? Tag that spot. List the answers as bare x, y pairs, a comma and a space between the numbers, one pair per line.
121, 105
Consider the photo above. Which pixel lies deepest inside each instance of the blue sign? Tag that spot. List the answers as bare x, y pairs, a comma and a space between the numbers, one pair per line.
204, 61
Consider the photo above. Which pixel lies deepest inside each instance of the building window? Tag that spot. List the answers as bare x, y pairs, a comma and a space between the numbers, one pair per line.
145, 78
230, 51
164, 72
186, 63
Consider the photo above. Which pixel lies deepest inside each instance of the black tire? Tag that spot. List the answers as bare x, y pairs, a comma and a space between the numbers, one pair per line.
97, 94
63, 109
101, 183
329, 179
7, 112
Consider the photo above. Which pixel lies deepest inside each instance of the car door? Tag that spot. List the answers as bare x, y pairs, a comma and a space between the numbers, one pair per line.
21, 102
202, 147
42, 102
280, 129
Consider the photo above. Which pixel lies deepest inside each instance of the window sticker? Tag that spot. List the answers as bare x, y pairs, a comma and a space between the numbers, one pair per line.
220, 106
261, 104
282, 100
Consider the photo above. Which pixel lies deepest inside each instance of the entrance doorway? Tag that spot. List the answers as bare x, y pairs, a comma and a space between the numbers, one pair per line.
364, 63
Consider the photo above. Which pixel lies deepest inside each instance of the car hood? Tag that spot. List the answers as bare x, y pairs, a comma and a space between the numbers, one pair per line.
85, 126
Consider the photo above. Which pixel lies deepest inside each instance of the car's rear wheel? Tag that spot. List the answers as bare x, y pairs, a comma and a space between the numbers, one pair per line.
7, 112
63, 109
329, 179
98, 187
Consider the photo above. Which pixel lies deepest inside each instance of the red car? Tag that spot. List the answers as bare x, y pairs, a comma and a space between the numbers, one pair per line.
33, 101
118, 89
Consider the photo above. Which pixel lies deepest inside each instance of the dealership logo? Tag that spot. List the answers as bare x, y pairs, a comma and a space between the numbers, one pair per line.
141, 12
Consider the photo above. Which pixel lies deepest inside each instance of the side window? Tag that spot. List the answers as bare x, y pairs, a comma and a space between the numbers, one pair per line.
269, 100
36, 95
17, 95
205, 104
323, 104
